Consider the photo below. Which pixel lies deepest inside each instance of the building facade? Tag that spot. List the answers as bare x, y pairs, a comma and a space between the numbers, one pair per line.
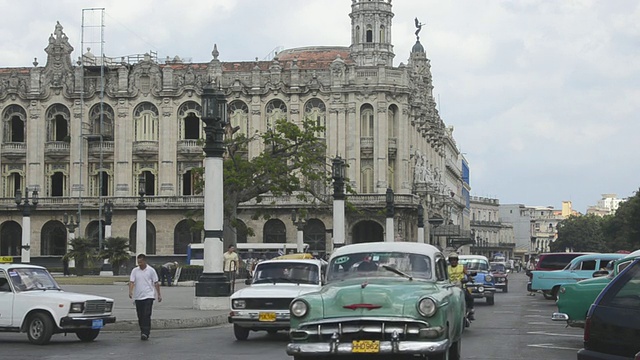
607, 205
489, 233
83, 132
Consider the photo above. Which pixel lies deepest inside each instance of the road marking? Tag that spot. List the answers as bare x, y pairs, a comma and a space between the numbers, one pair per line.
553, 334
503, 312
551, 346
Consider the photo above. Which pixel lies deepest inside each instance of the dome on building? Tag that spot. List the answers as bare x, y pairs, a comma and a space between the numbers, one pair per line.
417, 47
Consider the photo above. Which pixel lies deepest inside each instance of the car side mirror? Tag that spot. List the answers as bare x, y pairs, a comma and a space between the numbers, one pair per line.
600, 273
247, 282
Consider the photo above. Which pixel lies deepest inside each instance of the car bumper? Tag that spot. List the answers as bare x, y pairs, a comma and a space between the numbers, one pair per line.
251, 319
584, 354
84, 322
486, 291
386, 347
501, 285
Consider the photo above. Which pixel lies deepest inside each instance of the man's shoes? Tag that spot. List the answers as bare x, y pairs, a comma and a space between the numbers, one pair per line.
471, 317
144, 337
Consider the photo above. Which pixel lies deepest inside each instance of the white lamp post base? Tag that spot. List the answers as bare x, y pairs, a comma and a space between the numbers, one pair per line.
211, 303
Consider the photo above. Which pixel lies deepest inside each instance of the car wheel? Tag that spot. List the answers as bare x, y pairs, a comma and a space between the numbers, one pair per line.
455, 351
505, 289
547, 295
40, 328
490, 300
87, 335
240, 332
554, 293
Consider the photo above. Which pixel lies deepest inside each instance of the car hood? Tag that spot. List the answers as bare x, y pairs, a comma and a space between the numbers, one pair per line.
60, 296
274, 291
375, 296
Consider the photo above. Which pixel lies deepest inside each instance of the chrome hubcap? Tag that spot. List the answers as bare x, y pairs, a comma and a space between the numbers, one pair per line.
36, 328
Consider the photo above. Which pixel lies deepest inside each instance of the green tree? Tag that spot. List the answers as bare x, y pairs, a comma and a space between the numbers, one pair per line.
580, 233
622, 230
83, 252
116, 251
293, 162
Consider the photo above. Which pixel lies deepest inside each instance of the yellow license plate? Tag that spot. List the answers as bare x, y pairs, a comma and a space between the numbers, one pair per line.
365, 346
6, 259
268, 316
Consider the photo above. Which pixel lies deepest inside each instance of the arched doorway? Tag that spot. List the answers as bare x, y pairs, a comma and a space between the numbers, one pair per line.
184, 234
10, 238
53, 239
241, 231
92, 232
315, 235
151, 238
274, 231
367, 231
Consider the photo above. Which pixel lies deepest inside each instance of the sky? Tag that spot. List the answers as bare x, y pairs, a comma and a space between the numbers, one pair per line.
544, 95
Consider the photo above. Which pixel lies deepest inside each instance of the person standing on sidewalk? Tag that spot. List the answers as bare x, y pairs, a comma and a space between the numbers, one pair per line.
165, 272
231, 262
143, 288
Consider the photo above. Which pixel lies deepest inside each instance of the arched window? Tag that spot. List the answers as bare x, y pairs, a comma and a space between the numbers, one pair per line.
366, 120
189, 121
185, 233
315, 234
145, 117
274, 232
392, 121
366, 177
369, 34
93, 229
58, 183
10, 235
316, 111
13, 181
357, 34
382, 34
276, 110
58, 117
239, 116
190, 179
102, 117
14, 119
101, 184
151, 239
241, 231
149, 184
53, 238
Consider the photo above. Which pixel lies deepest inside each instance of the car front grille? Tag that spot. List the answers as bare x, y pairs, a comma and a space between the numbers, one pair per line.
268, 303
95, 306
365, 329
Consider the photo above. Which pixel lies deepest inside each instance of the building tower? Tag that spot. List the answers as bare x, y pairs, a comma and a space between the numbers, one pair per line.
371, 32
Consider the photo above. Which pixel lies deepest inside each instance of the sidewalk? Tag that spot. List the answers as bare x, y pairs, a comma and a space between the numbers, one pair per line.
174, 312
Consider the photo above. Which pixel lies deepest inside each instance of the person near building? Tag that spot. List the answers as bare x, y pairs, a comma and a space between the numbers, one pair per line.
143, 289
531, 265
458, 274
231, 262
166, 271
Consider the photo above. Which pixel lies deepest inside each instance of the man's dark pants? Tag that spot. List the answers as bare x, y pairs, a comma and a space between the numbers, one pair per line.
143, 308
165, 273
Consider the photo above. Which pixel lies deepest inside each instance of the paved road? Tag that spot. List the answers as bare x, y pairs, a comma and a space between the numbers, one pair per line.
516, 327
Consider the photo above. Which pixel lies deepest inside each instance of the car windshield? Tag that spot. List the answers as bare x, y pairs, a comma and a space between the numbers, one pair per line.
378, 264
28, 279
498, 268
286, 272
475, 264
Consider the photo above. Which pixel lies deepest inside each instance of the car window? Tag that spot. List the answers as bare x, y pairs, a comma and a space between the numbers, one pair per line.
4, 284
28, 279
623, 265
475, 264
378, 264
588, 265
286, 272
556, 261
626, 293
441, 268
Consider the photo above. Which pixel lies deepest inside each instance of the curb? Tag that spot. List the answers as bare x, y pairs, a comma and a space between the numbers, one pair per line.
157, 324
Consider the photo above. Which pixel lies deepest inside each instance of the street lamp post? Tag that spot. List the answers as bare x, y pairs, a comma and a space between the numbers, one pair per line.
71, 224
299, 222
141, 220
213, 288
108, 216
26, 207
338, 173
390, 214
420, 224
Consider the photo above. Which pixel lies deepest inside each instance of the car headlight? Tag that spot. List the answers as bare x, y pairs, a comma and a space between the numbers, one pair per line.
427, 307
108, 307
76, 307
488, 278
480, 288
299, 308
562, 290
239, 304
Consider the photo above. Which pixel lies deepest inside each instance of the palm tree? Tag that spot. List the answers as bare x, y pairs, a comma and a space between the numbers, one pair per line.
83, 251
116, 251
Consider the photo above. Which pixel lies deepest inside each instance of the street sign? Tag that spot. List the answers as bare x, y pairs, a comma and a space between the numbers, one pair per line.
6, 259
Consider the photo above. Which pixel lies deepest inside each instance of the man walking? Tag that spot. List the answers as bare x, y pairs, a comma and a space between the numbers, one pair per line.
143, 288
231, 262
165, 272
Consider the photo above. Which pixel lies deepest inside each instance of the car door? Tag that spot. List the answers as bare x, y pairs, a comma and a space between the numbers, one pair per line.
6, 300
585, 269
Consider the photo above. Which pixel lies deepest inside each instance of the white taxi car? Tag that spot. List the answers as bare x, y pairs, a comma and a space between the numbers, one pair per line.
264, 305
31, 301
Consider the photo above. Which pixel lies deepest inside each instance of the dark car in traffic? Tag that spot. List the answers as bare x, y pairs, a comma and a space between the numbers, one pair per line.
612, 327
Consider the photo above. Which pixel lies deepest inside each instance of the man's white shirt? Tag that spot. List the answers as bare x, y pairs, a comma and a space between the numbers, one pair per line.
144, 282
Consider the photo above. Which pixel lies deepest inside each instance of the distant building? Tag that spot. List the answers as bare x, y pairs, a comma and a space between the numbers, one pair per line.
490, 235
606, 206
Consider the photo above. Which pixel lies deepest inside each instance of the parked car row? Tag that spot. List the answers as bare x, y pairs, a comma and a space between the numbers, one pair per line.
600, 293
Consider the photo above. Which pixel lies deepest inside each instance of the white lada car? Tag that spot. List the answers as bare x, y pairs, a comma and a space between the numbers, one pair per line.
264, 304
31, 301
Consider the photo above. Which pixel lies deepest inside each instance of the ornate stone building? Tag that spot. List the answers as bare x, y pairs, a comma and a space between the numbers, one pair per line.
69, 126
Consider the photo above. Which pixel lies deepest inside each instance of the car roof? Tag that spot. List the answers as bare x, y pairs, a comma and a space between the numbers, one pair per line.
633, 254
292, 261
604, 256
14, 265
396, 246
475, 257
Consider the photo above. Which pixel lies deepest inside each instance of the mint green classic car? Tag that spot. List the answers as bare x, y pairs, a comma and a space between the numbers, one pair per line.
574, 300
383, 298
